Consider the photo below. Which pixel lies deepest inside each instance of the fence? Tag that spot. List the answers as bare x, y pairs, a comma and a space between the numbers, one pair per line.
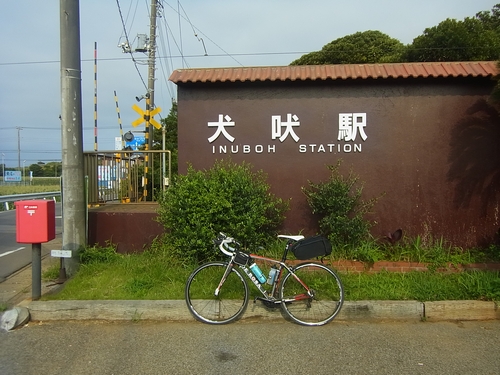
118, 176
126, 176
6, 199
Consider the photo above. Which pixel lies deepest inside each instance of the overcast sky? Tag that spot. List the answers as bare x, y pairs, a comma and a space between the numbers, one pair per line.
232, 32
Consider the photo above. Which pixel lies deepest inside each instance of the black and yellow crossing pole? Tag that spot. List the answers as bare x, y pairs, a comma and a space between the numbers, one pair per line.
95, 96
147, 117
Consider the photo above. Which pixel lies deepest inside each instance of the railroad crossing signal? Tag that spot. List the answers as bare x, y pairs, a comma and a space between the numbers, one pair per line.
145, 117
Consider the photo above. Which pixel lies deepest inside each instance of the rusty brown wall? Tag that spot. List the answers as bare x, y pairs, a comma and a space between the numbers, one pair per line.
129, 227
431, 148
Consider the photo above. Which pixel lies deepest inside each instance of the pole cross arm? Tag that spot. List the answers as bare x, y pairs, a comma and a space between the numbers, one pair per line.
146, 117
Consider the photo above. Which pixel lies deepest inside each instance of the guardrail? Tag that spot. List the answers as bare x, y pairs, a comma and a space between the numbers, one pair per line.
6, 199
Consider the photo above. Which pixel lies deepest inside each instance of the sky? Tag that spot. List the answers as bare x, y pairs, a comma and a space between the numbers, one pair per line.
191, 34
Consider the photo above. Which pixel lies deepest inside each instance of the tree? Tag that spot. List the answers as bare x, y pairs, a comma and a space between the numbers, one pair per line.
170, 124
52, 169
366, 47
491, 19
36, 169
469, 40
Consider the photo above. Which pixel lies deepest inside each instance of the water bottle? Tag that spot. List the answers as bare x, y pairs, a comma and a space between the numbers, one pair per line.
258, 273
272, 275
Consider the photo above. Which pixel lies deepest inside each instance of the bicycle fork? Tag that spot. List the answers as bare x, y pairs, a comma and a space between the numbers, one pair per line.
229, 268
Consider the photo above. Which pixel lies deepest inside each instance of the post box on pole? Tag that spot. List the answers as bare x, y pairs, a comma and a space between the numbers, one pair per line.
35, 224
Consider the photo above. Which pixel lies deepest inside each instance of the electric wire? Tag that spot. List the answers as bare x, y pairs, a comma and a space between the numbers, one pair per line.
254, 54
198, 30
128, 43
194, 31
166, 68
180, 27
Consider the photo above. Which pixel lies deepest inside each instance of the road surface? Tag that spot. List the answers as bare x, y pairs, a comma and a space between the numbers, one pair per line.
251, 348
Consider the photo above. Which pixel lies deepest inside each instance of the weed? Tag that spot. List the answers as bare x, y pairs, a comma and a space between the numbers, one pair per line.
136, 317
3, 306
97, 254
51, 273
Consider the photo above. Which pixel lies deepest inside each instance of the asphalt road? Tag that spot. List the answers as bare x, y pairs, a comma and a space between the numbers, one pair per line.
251, 347
13, 255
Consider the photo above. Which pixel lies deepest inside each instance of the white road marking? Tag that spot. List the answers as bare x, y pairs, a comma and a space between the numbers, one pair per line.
10, 252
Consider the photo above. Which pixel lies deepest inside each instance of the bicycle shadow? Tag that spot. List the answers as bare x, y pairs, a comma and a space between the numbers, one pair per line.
474, 156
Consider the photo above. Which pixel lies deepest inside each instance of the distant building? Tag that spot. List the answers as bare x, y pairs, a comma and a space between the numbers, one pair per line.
420, 134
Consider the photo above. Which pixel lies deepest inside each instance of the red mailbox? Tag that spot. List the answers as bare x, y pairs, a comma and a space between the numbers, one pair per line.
35, 221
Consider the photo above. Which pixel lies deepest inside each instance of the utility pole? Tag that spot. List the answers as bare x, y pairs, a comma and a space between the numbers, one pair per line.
19, 146
149, 47
150, 97
152, 64
73, 183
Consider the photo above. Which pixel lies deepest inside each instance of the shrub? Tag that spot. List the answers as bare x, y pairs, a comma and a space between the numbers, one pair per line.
340, 207
227, 198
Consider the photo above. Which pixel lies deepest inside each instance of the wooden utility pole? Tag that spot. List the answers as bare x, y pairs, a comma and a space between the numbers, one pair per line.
73, 182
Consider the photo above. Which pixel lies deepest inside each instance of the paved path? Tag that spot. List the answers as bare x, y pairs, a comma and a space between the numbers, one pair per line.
251, 347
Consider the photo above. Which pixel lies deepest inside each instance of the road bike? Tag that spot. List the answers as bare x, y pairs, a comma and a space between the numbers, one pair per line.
308, 293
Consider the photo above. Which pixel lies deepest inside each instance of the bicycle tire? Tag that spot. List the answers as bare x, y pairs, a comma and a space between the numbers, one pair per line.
228, 305
327, 299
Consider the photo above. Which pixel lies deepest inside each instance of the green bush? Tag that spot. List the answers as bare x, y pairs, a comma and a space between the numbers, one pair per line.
227, 198
340, 208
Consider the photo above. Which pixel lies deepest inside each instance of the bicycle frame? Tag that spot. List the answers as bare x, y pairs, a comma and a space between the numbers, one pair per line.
272, 295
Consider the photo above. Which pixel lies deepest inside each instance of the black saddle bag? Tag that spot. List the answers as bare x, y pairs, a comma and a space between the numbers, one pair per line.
311, 247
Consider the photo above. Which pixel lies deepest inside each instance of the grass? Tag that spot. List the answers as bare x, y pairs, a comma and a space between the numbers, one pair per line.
38, 185
134, 276
423, 286
156, 275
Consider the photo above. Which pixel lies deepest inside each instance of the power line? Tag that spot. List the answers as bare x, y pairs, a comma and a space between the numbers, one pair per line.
218, 55
128, 43
195, 30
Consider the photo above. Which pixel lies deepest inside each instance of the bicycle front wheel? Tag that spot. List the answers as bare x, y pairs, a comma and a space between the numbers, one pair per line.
213, 300
321, 303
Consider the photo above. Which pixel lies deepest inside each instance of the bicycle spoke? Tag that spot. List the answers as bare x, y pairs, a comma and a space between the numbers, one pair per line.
325, 298
229, 303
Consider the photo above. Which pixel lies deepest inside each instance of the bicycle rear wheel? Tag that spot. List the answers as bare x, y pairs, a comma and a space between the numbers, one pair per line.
206, 304
325, 299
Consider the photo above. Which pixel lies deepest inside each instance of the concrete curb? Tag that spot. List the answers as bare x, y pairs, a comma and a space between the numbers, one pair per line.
141, 310
461, 310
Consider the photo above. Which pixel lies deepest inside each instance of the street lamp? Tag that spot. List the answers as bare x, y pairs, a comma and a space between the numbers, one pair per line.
24, 181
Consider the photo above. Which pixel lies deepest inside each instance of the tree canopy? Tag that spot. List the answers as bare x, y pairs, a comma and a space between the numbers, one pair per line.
472, 39
452, 40
362, 47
